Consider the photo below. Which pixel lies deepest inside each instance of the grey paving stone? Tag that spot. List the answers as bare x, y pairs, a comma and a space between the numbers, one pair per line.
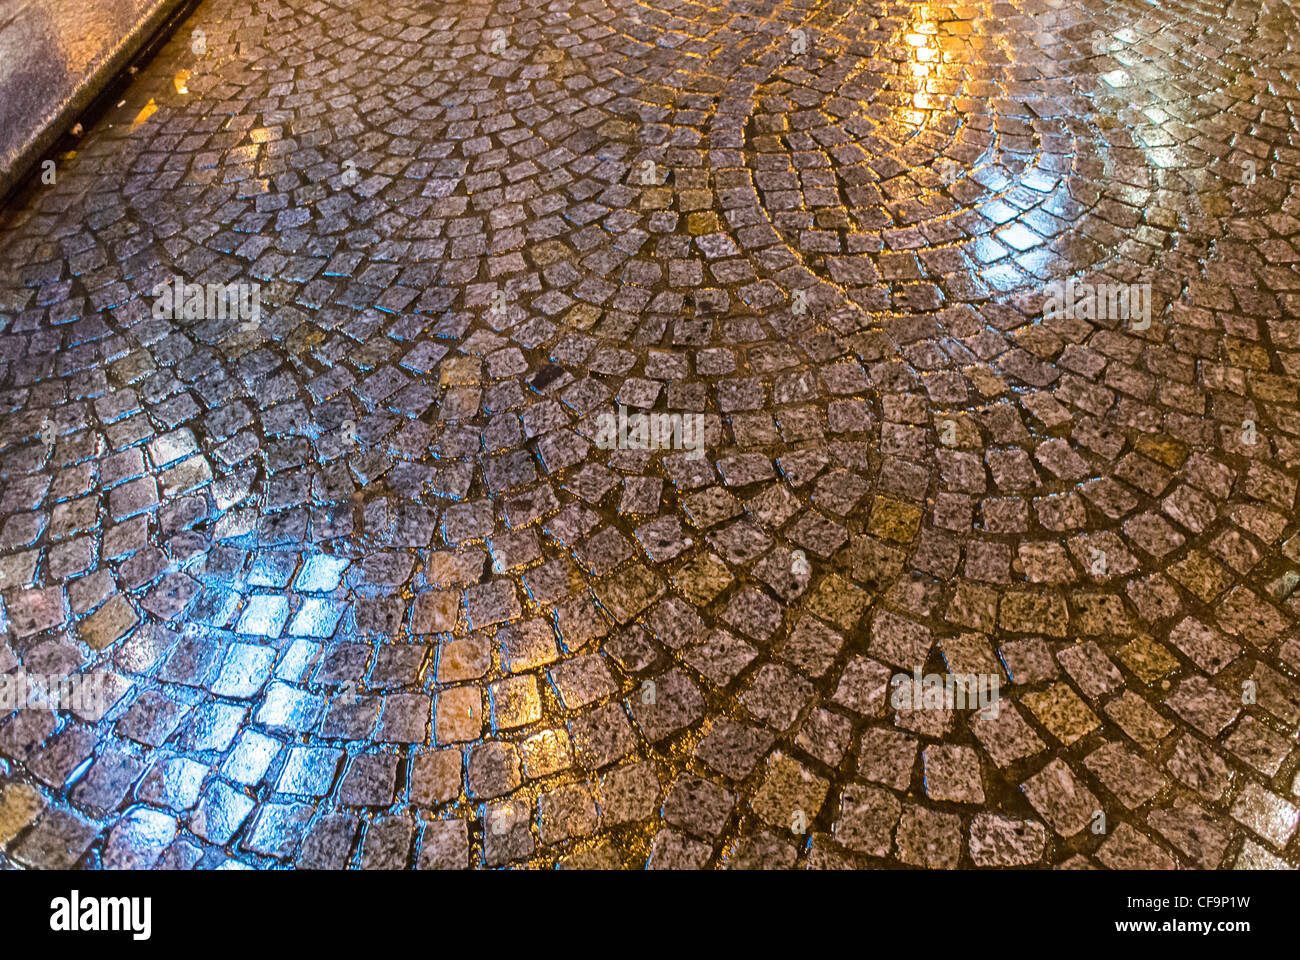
372, 573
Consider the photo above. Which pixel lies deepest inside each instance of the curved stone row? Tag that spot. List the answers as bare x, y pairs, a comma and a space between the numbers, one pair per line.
372, 593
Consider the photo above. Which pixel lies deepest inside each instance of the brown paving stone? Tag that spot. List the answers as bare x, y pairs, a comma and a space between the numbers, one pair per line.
393, 486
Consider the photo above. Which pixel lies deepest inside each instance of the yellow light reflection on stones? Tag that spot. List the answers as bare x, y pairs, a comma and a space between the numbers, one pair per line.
182, 81
924, 55
145, 113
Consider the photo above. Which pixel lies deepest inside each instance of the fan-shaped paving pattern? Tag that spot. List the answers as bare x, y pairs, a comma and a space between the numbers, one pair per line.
372, 595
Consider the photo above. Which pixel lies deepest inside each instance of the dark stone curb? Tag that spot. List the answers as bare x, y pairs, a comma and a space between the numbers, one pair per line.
37, 134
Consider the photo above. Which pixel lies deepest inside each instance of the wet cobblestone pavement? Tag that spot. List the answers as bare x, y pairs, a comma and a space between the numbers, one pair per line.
370, 593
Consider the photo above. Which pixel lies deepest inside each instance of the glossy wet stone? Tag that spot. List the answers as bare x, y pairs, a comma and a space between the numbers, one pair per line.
375, 592
55, 55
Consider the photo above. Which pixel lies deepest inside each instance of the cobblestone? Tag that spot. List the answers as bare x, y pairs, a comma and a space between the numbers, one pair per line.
375, 589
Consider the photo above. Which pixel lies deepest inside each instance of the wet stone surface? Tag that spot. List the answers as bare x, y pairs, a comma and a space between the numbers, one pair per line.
368, 588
